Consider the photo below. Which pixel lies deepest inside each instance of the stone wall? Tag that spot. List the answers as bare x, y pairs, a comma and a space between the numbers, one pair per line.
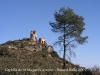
42, 40
33, 35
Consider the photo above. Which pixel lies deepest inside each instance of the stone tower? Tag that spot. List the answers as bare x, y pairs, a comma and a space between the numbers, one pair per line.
33, 35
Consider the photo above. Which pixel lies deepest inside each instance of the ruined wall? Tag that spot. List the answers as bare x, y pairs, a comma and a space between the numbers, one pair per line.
42, 40
33, 35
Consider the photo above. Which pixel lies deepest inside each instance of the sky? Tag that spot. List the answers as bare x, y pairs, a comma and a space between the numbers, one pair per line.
19, 17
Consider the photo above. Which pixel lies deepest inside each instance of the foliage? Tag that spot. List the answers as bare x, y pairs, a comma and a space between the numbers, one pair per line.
87, 72
9, 42
23, 59
26, 39
4, 51
95, 70
18, 54
70, 26
54, 54
43, 55
22, 46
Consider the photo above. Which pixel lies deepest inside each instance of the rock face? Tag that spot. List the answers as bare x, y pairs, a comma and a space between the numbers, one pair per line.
50, 49
12, 47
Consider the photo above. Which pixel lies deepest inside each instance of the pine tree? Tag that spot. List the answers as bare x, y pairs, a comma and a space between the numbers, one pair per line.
70, 26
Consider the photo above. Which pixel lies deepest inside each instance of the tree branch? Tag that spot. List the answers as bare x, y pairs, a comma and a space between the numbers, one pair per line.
69, 42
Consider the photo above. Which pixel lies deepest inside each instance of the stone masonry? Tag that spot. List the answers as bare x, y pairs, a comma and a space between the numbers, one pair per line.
42, 41
33, 35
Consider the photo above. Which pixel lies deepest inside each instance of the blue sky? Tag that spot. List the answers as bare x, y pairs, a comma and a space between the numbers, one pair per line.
19, 17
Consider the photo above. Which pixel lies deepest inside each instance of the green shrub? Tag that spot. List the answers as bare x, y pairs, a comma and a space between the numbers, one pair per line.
9, 42
22, 46
26, 39
4, 51
54, 54
44, 55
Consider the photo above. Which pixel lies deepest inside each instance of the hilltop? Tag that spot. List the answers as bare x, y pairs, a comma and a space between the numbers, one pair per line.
29, 56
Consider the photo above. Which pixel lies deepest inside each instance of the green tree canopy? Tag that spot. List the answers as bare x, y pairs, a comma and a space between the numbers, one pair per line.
70, 26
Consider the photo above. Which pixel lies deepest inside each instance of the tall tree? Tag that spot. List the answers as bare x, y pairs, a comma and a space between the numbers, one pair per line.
70, 26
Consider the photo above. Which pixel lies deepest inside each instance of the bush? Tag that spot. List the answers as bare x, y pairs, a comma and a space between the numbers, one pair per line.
9, 42
44, 55
95, 70
4, 51
22, 46
26, 39
54, 54
87, 72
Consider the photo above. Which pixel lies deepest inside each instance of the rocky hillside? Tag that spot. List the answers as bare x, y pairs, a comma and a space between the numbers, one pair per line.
25, 57
27, 44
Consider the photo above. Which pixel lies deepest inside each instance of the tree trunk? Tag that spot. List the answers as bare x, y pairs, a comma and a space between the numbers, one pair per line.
64, 56
64, 59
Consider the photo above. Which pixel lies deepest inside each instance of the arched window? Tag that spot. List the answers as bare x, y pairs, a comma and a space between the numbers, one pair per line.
42, 42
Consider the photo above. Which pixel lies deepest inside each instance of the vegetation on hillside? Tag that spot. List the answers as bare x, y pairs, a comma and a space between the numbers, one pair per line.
28, 57
19, 61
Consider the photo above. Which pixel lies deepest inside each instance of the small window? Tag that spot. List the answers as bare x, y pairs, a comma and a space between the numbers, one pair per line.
42, 42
